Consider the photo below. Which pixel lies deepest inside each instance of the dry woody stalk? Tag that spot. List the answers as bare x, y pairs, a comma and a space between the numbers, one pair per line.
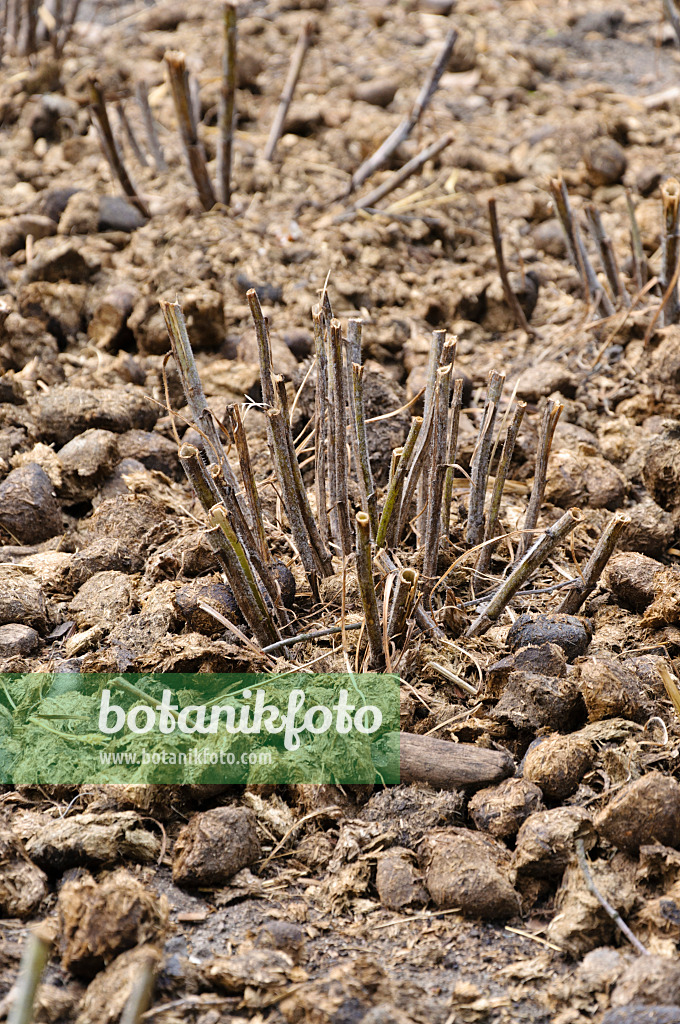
111, 151
227, 105
296, 62
193, 150
551, 415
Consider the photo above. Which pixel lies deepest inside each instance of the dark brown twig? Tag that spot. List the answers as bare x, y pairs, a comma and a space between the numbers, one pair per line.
367, 589
404, 173
111, 151
551, 414
593, 569
153, 142
510, 297
480, 463
670, 197
130, 135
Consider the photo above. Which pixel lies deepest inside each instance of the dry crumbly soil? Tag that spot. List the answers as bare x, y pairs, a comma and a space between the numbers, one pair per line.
411, 904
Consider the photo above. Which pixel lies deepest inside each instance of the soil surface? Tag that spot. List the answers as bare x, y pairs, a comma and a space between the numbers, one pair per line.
330, 904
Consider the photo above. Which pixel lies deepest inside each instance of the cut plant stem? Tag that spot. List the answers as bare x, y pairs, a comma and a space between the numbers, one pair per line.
364, 471
639, 258
321, 424
551, 414
227, 104
484, 559
670, 198
576, 249
110, 148
192, 387
402, 602
510, 297
404, 173
437, 467
130, 135
479, 466
451, 453
595, 564
193, 150
276, 130
152, 140
246, 591
422, 617
396, 484
339, 428
37, 947
249, 485
404, 129
68, 22
607, 255
524, 569
367, 588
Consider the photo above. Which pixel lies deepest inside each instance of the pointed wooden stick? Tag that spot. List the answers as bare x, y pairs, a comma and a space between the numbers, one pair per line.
479, 466
304, 40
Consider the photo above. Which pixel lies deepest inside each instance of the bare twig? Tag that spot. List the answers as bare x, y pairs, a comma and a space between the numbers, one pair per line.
607, 255
304, 40
479, 465
68, 22
396, 484
576, 249
364, 472
486, 551
437, 466
670, 197
321, 424
510, 297
673, 15
110, 148
152, 140
227, 101
403, 130
595, 564
195, 156
33, 961
402, 602
241, 443
451, 452
339, 427
404, 173
367, 589
551, 414
130, 135
604, 903
639, 259
536, 555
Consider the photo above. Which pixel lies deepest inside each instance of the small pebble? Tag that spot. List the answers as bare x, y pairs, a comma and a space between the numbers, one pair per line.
379, 91
16, 638
606, 162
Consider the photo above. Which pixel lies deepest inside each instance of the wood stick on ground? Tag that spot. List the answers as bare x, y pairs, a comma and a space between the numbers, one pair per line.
484, 559
402, 602
524, 569
510, 297
670, 197
605, 249
193, 150
129, 133
639, 258
604, 903
437, 467
296, 62
673, 15
479, 466
595, 564
451, 453
34, 958
139, 1000
397, 481
339, 449
152, 140
404, 173
551, 414
447, 765
227, 104
111, 151
248, 477
192, 387
403, 130
369, 600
